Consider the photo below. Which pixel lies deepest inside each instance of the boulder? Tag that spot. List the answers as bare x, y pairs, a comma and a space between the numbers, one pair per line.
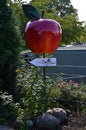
30, 124
60, 113
47, 121
2, 127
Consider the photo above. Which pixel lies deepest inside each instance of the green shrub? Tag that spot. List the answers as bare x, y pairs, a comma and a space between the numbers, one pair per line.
9, 111
34, 93
72, 96
31, 92
9, 48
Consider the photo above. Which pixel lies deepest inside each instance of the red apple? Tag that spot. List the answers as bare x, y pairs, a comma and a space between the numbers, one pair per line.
43, 35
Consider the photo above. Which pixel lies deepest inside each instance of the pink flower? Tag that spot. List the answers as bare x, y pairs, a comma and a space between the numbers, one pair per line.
76, 85
58, 85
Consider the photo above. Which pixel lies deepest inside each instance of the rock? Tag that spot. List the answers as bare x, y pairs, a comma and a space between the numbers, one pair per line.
68, 112
30, 123
47, 121
2, 127
59, 113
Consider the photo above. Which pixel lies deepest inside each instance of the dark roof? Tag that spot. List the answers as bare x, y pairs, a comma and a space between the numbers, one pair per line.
73, 47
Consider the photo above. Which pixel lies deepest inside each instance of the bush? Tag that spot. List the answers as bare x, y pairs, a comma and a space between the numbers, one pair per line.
9, 111
33, 98
9, 48
30, 88
72, 96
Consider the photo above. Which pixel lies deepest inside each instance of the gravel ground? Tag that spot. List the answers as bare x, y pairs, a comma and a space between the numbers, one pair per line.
76, 122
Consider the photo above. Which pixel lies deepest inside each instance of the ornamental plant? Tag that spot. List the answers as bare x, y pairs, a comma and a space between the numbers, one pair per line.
30, 87
30, 95
9, 110
9, 48
72, 95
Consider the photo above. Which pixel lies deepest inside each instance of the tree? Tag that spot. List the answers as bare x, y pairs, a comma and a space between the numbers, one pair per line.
59, 10
63, 12
71, 29
9, 48
82, 37
60, 7
20, 19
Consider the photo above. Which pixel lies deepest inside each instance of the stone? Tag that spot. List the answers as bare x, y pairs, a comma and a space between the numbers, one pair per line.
47, 121
60, 113
30, 123
2, 127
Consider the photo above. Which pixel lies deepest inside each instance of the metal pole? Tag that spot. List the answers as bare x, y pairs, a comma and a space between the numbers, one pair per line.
44, 89
44, 76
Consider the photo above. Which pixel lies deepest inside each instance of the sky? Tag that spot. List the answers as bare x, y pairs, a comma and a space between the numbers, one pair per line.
80, 5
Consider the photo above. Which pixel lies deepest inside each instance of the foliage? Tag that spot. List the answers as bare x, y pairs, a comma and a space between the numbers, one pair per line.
9, 111
20, 19
71, 29
60, 8
83, 35
72, 96
9, 48
32, 98
31, 89
59, 93
63, 12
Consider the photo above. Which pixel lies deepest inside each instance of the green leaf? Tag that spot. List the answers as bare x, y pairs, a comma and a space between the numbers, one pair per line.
30, 12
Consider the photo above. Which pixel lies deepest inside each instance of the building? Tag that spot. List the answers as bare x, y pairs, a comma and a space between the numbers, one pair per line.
71, 62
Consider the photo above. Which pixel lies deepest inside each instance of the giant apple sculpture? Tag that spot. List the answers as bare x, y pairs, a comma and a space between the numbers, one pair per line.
42, 35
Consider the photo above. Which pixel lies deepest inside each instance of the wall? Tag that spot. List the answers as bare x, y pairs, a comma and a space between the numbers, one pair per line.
69, 62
